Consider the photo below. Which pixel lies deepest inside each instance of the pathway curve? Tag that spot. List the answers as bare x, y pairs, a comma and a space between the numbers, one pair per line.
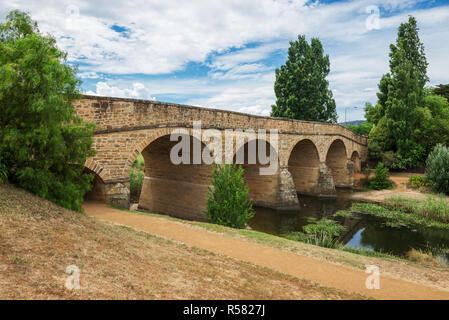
302, 267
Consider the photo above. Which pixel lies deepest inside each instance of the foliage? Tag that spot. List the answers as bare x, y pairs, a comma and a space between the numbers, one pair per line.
323, 233
435, 208
412, 157
401, 212
433, 124
405, 84
400, 116
43, 143
228, 201
302, 91
3, 172
442, 90
139, 164
373, 114
362, 129
437, 170
136, 179
381, 179
417, 181
380, 140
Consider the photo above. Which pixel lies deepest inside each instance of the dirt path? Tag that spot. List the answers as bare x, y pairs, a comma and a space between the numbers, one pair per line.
323, 273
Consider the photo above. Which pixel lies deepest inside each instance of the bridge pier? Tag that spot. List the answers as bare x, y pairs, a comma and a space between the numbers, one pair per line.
117, 194
287, 198
325, 185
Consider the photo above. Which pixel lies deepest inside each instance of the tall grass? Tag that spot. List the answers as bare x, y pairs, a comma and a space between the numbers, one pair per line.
398, 211
323, 233
136, 178
434, 208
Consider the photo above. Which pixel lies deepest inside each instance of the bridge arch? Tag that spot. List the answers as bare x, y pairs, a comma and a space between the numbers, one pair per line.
263, 189
355, 158
336, 161
304, 166
97, 193
174, 189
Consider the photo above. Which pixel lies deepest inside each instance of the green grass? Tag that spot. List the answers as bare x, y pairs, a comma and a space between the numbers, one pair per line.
368, 252
432, 208
402, 212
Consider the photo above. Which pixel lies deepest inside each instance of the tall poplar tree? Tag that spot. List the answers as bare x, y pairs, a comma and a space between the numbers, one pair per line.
402, 90
302, 91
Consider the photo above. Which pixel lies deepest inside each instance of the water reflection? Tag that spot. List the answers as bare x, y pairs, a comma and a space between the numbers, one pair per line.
361, 231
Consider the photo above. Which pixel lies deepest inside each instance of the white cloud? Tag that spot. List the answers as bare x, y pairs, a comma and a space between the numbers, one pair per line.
137, 91
162, 36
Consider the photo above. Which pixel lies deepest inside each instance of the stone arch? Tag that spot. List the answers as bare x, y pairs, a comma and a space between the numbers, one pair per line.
356, 160
263, 189
304, 165
175, 189
141, 145
97, 193
95, 168
336, 161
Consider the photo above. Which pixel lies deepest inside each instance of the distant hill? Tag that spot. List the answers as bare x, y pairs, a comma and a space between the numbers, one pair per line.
352, 123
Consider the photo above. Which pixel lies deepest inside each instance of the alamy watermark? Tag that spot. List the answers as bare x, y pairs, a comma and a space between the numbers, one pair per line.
373, 280
257, 141
72, 282
372, 22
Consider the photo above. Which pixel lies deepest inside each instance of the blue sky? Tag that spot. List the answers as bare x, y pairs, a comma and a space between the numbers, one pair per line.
223, 54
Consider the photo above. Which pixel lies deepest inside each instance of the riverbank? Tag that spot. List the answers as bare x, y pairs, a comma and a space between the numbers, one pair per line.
401, 189
400, 279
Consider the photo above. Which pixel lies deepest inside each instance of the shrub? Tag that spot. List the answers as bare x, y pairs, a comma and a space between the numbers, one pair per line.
437, 170
136, 180
3, 171
417, 181
323, 233
381, 179
43, 141
228, 202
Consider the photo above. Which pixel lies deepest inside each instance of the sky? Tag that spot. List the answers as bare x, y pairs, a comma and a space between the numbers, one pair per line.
223, 54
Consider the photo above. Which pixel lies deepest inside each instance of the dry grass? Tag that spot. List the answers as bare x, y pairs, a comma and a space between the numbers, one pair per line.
421, 257
38, 240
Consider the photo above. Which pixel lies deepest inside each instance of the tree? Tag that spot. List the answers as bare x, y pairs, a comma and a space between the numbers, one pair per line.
363, 129
442, 90
437, 171
405, 85
401, 94
228, 202
302, 91
43, 143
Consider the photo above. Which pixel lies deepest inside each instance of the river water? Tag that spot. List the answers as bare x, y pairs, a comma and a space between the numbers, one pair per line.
361, 230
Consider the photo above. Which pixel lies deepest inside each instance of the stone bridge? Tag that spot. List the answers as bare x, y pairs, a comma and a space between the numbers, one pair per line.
314, 158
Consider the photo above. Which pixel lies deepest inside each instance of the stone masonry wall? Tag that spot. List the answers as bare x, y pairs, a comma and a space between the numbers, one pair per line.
126, 127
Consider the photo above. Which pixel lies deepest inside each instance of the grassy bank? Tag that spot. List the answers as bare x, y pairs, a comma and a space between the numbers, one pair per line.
400, 211
39, 240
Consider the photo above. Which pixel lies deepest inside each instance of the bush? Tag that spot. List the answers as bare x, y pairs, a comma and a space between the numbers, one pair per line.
228, 202
3, 171
381, 179
136, 180
417, 182
437, 170
323, 233
42, 140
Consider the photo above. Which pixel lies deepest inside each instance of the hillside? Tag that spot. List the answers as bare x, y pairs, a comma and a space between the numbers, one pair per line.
38, 240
